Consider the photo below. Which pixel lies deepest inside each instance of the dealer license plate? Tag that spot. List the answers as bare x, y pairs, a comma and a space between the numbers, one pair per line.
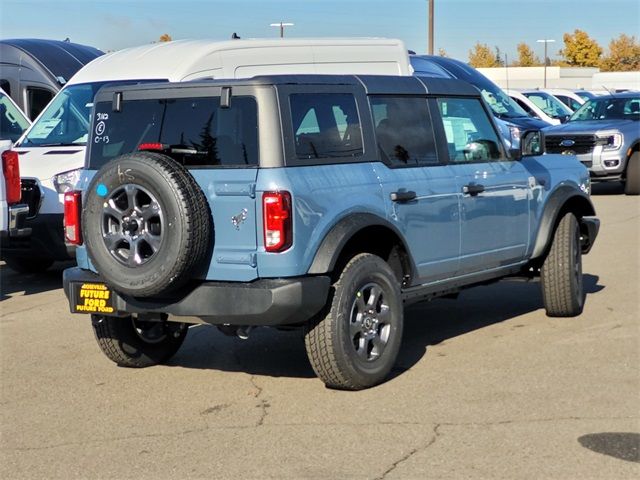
91, 298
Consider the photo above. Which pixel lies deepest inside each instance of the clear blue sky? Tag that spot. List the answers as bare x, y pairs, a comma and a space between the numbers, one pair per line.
116, 24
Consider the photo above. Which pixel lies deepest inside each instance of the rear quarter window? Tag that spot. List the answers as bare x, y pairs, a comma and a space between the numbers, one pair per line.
196, 132
325, 126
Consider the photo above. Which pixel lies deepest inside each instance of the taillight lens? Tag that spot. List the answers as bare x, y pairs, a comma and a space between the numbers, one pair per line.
72, 215
276, 208
11, 169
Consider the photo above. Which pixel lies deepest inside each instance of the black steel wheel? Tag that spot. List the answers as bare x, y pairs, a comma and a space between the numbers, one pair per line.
356, 342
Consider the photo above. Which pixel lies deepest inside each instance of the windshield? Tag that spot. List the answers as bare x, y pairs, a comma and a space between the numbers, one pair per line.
12, 121
548, 104
608, 108
65, 121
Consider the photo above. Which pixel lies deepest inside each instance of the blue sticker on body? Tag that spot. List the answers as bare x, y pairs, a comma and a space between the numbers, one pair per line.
102, 190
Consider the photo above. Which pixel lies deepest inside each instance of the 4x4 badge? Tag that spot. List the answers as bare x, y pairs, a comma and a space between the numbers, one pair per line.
239, 219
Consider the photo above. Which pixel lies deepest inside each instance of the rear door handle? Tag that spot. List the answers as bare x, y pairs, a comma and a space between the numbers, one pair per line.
473, 189
403, 196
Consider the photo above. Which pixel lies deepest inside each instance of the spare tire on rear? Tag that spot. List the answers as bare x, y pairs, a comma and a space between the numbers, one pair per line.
146, 224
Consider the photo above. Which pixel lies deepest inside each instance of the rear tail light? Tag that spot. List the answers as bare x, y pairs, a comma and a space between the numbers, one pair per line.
11, 169
72, 215
276, 208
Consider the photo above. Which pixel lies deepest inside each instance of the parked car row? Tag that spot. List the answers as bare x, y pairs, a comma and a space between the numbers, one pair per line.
603, 130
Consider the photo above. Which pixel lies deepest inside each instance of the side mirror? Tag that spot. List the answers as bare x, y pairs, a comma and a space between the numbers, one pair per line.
531, 143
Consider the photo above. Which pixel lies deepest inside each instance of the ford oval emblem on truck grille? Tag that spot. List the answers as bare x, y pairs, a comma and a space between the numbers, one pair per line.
567, 143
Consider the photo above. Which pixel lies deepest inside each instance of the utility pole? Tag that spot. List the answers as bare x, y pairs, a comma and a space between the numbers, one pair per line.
506, 67
546, 60
431, 27
281, 25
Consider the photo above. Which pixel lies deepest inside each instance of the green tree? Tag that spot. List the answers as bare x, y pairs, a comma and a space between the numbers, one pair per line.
526, 57
580, 50
482, 56
623, 55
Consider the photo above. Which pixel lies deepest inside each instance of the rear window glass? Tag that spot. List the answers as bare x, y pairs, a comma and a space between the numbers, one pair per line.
325, 125
193, 131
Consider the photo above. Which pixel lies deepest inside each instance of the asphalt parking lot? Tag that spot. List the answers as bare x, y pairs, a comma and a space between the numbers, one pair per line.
486, 387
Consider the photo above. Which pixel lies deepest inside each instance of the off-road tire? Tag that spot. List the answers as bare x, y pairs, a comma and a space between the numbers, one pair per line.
121, 343
329, 343
186, 231
28, 265
561, 272
632, 180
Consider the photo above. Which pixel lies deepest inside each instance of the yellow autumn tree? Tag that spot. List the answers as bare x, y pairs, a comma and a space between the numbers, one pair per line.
623, 55
481, 56
526, 57
580, 50
442, 52
165, 37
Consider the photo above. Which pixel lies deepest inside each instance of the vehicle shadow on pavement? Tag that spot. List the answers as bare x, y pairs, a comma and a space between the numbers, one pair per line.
267, 352
275, 353
12, 282
607, 188
432, 323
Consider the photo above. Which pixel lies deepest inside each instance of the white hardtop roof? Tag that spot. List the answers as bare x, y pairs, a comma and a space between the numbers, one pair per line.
177, 59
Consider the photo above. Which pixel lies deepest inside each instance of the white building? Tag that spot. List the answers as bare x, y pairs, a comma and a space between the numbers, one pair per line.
533, 77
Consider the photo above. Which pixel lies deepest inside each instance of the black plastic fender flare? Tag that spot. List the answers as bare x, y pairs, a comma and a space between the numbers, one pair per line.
335, 240
550, 217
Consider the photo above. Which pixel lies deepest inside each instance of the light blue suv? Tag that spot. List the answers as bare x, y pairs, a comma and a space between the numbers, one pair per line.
321, 202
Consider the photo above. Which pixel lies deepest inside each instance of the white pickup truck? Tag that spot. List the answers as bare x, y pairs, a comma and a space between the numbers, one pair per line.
12, 214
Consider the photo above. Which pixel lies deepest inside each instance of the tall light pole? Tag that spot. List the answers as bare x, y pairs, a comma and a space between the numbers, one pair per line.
281, 25
431, 26
545, 41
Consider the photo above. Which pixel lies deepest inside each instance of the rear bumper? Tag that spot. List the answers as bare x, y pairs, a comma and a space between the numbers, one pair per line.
264, 302
40, 237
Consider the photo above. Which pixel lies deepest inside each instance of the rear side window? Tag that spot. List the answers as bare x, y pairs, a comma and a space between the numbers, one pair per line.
470, 135
325, 125
38, 98
403, 130
193, 131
